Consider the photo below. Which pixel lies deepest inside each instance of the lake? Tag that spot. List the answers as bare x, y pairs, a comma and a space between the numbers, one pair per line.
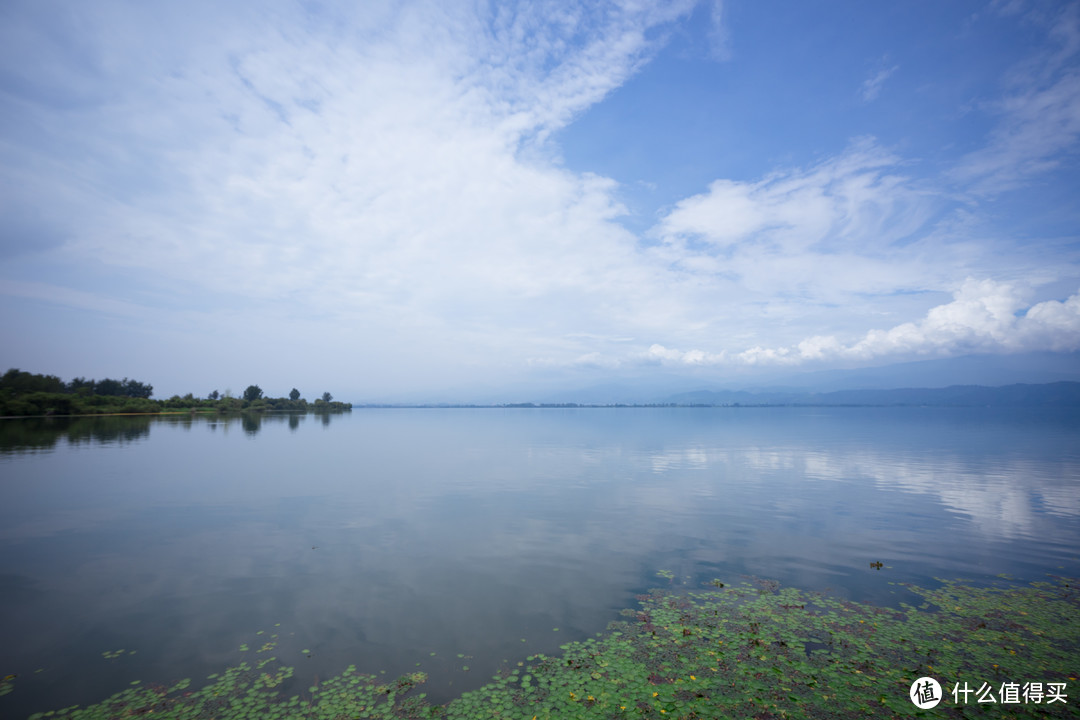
440, 539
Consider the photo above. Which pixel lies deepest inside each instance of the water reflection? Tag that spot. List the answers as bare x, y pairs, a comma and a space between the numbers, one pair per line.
1005, 498
385, 535
29, 435
45, 434
252, 422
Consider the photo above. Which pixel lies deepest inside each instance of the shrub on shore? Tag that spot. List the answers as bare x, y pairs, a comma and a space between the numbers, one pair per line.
28, 394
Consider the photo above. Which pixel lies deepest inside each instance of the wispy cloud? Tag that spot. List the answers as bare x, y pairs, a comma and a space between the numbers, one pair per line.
871, 88
1039, 117
346, 170
797, 208
719, 34
387, 174
840, 227
1038, 126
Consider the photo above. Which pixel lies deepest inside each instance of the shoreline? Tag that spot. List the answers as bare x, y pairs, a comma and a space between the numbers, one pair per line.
193, 411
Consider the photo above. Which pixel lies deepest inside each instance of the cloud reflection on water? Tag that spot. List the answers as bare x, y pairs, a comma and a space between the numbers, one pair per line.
392, 534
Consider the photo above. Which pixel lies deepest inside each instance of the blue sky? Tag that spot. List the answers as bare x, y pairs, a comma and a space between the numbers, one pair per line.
461, 199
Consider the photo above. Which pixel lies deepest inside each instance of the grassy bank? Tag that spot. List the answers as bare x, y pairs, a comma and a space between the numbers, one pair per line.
751, 651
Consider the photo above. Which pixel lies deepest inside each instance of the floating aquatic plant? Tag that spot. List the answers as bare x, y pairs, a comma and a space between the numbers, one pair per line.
750, 650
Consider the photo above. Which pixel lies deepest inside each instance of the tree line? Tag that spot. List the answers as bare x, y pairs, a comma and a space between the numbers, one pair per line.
20, 382
254, 400
24, 393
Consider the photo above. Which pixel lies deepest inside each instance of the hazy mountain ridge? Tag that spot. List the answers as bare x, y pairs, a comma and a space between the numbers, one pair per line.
662, 385
1061, 394
782, 387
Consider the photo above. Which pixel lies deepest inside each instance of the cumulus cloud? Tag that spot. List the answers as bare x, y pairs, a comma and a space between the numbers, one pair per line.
983, 317
388, 170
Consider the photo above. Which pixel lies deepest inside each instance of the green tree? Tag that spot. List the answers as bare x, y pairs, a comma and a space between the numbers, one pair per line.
214, 395
327, 397
110, 387
294, 394
20, 382
136, 389
81, 384
253, 393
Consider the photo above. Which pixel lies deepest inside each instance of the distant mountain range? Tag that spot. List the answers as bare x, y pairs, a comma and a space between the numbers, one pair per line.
929, 377
1061, 394
1016, 379
1065, 394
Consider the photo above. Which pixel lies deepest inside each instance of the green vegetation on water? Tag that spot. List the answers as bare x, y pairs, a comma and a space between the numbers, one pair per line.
28, 394
751, 651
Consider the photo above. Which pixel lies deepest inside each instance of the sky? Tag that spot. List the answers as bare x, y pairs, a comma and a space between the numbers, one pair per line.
463, 200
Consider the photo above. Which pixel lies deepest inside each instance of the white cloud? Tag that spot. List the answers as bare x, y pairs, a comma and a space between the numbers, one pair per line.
871, 88
1039, 125
660, 354
984, 317
386, 171
845, 198
371, 171
846, 225
719, 35
1039, 117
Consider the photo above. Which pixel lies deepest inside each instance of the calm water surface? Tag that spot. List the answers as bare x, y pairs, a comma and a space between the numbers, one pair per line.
383, 536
